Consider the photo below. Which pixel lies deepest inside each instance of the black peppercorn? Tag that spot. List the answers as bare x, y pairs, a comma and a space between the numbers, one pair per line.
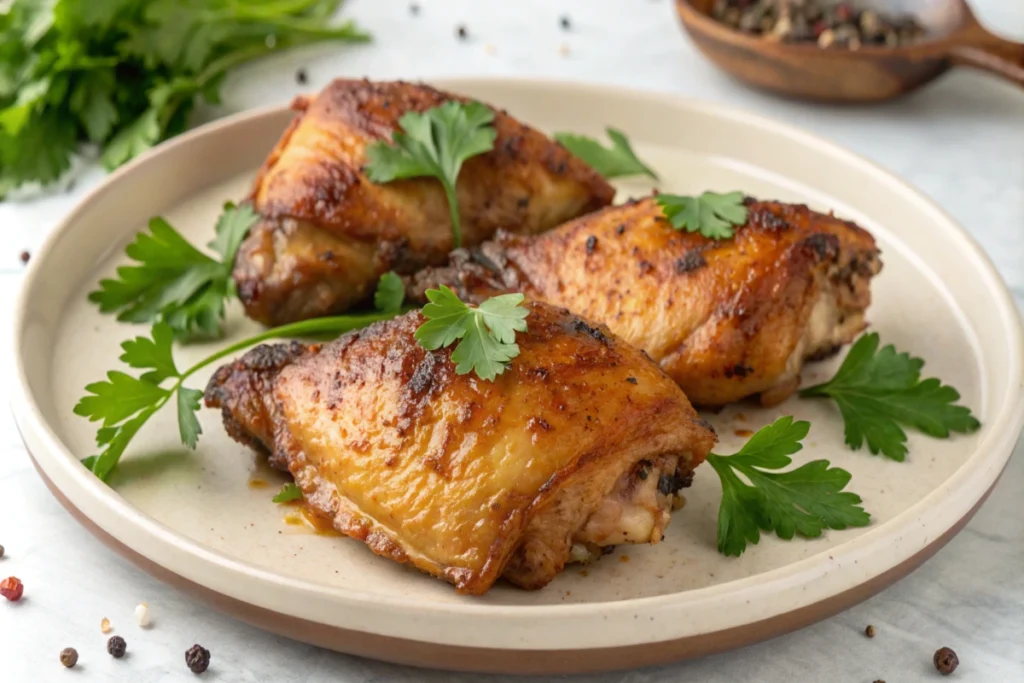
461, 32
631, 380
69, 657
566, 24
945, 661
591, 244
300, 77
198, 659
116, 647
870, 631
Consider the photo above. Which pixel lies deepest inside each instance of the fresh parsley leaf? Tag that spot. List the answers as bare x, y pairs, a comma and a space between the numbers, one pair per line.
188, 425
118, 398
175, 282
390, 293
803, 501
122, 404
486, 334
289, 492
615, 162
152, 352
434, 144
881, 391
711, 214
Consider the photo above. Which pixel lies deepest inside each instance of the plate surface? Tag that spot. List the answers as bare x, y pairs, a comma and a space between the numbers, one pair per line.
205, 522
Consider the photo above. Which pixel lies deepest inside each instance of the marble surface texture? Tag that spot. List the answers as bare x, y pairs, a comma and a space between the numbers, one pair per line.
960, 141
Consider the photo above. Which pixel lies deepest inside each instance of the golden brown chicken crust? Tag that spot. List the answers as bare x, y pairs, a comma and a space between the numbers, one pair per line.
328, 232
465, 479
726, 319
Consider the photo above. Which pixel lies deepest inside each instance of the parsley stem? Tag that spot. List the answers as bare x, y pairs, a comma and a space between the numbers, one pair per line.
453, 210
337, 324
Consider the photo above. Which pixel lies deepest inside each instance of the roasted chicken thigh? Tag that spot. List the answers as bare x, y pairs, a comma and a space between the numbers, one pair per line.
327, 232
725, 319
582, 443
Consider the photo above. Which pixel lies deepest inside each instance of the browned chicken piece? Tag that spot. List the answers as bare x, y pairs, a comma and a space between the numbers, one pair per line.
726, 319
581, 444
327, 232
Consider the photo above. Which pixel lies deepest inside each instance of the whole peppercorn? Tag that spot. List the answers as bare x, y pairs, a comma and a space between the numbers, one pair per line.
116, 647
69, 657
461, 32
198, 659
12, 588
301, 77
565, 22
25, 256
945, 661
870, 631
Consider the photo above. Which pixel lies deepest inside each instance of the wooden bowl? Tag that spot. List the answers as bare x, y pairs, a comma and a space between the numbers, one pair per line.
869, 74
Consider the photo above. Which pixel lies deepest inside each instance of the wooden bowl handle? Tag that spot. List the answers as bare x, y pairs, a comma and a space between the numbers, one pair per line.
978, 48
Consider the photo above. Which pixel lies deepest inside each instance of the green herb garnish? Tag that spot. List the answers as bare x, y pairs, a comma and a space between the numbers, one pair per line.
711, 214
174, 282
802, 501
877, 391
616, 161
123, 403
434, 144
486, 334
125, 74
289, 492
390, 293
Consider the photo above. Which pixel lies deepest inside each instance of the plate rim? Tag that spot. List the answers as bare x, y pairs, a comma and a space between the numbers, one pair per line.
1004, 426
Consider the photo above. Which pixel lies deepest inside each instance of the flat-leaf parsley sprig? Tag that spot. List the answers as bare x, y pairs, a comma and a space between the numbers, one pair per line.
174, 282
289, 493
123, 403
711, 214
618, 161
486, 334
803, 501
877, 391
434, 144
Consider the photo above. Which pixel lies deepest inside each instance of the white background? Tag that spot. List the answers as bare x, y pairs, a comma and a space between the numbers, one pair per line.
961, 141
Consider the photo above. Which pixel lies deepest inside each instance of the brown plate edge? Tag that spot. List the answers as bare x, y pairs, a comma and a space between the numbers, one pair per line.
504, 661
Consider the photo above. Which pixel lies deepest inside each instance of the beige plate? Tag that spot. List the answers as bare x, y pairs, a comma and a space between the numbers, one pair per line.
197, 520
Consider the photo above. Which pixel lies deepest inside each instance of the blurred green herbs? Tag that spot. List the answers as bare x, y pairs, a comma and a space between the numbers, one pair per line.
124, 74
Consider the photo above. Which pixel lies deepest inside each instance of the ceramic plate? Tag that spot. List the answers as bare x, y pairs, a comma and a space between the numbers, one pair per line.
204, 520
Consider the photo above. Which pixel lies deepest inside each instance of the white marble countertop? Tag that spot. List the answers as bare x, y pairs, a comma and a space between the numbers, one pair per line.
961, 141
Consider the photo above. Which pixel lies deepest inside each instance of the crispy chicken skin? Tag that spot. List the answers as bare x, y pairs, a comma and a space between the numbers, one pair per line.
725, 319
327, 232
465, 479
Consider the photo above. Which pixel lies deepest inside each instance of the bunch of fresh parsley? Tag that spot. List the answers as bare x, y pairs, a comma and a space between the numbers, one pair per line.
123, 403
124, 74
